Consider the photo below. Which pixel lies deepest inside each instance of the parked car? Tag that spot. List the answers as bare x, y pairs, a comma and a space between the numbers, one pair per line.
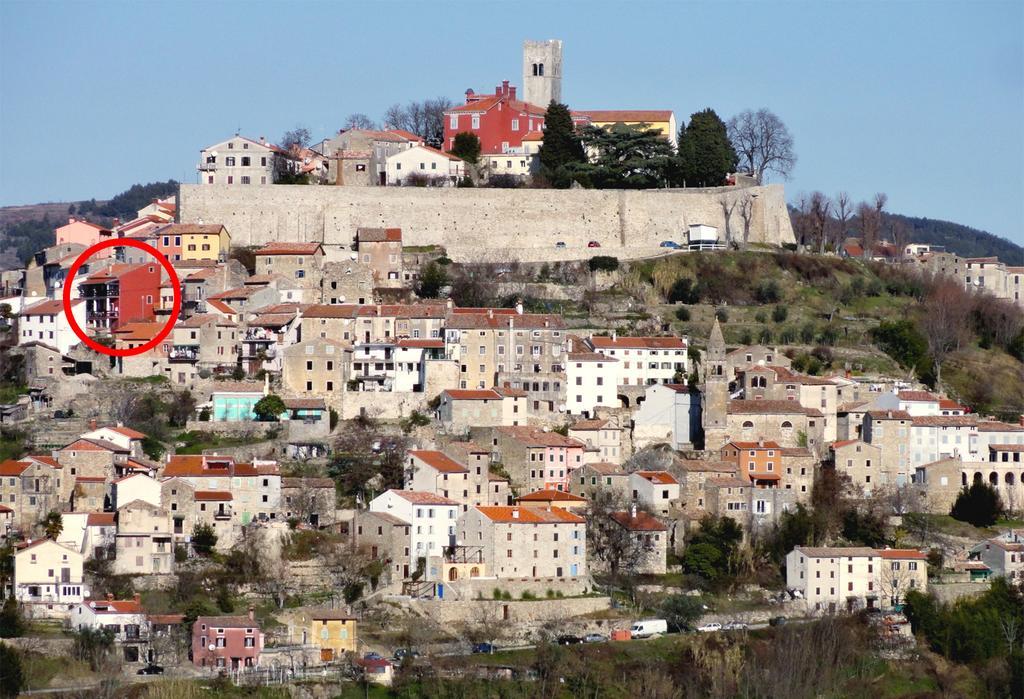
402, 653
710, 627
648, 628
669, 244
150, 670
568, 640
777, 621
734, 626
372, 655
593, 244
560, 245
484, 648
595, 638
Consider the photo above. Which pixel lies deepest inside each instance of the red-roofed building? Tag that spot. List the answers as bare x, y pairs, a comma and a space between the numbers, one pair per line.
380, 249
120, 294
84, 233
650, 540
500, 120
302, 263
658, 491
227, 642
535, 459
125, 618
546, 499
760, 461
431, 518
526, 542
47, 322
644, 360
243, 161
460, 409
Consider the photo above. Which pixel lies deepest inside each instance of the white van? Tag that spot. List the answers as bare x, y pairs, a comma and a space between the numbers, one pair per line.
648, 628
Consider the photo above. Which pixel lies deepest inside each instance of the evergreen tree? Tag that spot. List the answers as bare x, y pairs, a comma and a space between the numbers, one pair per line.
980, 505
562, 148
628, 156
467, 147
12, 677
269, 408
706, 155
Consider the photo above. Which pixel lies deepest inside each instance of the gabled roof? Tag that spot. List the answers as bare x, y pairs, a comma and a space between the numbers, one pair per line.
407, 135
100, 519
995, 426
605, 468
770, 407
419, 497
625, 115
379, 235
837, 551
530, 515
115, 606
550, 495
944, 421
642, 522
658, 477
649, 343
536, 437
439, 461
192, 229
12, 467
81, 444
755, 445
903, 554
213, 495
472, 394
47, 308
305, 403
521, 321
221, 306
888, 415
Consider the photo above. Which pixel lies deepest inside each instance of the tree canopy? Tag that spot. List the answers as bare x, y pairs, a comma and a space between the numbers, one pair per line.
627, 156
763, 143
269, 408
562, 149
980, 505
706, 156
467, 147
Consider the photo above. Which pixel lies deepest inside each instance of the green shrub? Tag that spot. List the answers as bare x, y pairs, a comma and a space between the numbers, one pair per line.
780, 313
527, 595
604, 263
722, 315
683, 313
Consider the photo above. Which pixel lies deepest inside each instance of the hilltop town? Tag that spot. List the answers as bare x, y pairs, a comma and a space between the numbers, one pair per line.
397, 407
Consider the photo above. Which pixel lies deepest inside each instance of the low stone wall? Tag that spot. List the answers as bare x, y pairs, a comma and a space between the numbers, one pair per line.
477, 588
382, 405
450, 612
236, 428
950, 592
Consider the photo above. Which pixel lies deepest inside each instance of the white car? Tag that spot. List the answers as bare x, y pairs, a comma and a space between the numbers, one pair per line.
713, 626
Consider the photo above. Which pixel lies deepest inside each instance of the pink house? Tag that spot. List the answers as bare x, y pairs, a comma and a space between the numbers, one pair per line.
84, 233
538, 460
229, 642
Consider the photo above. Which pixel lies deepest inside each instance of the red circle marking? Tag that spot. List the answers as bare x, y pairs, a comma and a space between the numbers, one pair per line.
122, 243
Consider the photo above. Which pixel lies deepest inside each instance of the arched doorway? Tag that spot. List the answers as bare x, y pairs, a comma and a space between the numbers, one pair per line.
474, 572
453, 574
993, 479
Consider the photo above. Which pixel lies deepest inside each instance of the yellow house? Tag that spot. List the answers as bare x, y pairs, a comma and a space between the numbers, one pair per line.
204, 241
662, 119
331, 629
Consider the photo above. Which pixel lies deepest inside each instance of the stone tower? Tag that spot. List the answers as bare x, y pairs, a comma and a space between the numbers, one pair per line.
542, 72
715, 396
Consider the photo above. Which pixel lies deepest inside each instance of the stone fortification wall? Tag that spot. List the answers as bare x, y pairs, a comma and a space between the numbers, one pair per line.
485, 224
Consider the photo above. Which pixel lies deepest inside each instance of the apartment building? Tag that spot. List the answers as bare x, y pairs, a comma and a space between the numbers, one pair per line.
47, 323
658, 491
240, 161
227, 642
592, 379
602, 439
431, 519
120, 294
534, 459
861, 463
301, 263
644, 361
460, 409
48, 578
835, 578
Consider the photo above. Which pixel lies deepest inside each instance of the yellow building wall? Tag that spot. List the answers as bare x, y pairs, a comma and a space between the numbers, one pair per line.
220, 243
335, 634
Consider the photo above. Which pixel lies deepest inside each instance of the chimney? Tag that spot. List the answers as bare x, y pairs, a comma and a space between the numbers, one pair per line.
615, 336
110, 597
515, 514
92, 424
490, 312
252, 610
512, 92
263, 141
632, 511
519, 306
137, 597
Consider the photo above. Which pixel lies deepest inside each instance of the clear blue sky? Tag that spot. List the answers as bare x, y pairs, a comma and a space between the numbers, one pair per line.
922, 100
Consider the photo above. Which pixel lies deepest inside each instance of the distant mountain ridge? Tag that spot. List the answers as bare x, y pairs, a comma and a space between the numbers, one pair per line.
957, 238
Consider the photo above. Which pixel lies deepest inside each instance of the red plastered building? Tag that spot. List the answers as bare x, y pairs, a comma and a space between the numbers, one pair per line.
500, 120
120, 294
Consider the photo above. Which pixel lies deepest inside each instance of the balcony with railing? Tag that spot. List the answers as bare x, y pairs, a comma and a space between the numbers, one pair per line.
258, 335
207, 167
183, 353
90, 290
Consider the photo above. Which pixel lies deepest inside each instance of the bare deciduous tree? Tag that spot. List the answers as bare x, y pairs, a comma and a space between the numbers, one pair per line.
868, 229
844, 212
359, 121
747, 216
820, 210
945, 319
727, 208
298, 137
425, 119
763, 143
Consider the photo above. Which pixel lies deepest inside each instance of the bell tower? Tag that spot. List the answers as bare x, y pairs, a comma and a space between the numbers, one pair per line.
542, 72
715, 396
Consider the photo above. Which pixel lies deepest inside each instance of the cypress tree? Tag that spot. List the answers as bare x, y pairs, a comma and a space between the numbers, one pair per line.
562, 148
706, 155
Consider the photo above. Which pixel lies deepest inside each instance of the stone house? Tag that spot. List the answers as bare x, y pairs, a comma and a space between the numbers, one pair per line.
143, 543
240, 161
760, 462
435, 472
599, 476
602, 437
255, 487
125, 618
138, 486
301, 263
748, 357
669, 413
309, 499
347, 282
860, 461
778, 384
384, 537
460, 409
177, 495
1004, 556
431, 518
782, 421
316, 367
832, 579
900, 571
358, 157
91, 458
534, 459
694, 475
202, 342
658, 491
650, 534
890, 431
592, 379
31, 487
525, 542
334, 631
380, 249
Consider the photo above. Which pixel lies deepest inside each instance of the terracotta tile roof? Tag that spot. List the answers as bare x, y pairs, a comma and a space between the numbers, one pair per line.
700, 466
233, 622
271, 320
242, 292
90, 479
509, 392
947, 404
439, 461
770, 407
379, 235
221, 306
587, 425
844, 443
166, 618
600, 342
47, 308
626, 115
116, 606
550, 495
525, 321
283, 248
918, 397
472, 394
677, 387
100, 519
419, 497
142, 331
407, 135
536, 437
534, 136
944, 421
92, 445
755, 445
590, 357
193, 465
993, 426
888, 415
643, 522
733, 482
903, 554
784, 375
47, 460
1006, 447
212, 495
111, 273
193, 229
658, 477
198, 321
837, 551
605, 468
5, 509
305, 403
530, 515
324, 310
12, 467
128, 432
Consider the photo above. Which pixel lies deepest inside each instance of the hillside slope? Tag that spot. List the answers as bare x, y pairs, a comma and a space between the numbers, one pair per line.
963, 240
